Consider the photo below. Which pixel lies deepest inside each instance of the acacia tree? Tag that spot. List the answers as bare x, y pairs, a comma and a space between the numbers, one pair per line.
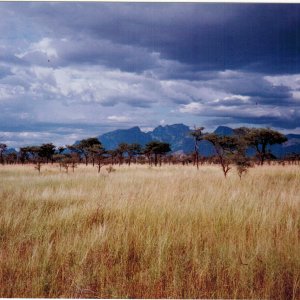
240, 158
147, 152
37, 159
113, 154
132, 151
24, 154
47, 151
122, 148
261, 138
242, 163
73, 160
59, 158
84, 147
94, 151
31, 153
11, 158
225, 148
198, 135
99, 152
3, 148
156, 148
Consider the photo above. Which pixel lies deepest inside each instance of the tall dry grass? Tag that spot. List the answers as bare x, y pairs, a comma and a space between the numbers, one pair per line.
169, 232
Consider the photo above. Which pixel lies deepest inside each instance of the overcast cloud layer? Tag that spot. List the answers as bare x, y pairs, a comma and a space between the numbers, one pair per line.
73, 70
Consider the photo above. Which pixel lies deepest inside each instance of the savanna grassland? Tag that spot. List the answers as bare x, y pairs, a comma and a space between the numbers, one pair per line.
165, 232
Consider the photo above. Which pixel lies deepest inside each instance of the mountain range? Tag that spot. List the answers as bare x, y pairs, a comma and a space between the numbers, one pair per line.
178, 136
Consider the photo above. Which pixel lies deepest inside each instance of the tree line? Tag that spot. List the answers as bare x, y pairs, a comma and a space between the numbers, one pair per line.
229, 151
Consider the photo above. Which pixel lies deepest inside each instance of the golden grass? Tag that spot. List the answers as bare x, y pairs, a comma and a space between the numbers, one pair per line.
165, 232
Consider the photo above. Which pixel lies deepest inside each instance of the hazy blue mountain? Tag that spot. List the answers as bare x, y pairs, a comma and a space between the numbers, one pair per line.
292, 145
178, 135
10, 150
224, 130
111, 140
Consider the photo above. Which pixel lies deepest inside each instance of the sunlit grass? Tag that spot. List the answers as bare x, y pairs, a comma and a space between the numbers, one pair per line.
165, 232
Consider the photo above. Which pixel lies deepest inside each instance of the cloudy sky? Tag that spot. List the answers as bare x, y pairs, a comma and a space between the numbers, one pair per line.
74, 70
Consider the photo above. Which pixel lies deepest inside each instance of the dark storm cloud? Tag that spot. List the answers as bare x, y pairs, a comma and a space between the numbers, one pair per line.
254, 37
258, 87
262, 38
277, 122
124, 57
137, 103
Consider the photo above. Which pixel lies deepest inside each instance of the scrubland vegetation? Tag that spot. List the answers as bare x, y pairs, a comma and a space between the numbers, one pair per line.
164, 232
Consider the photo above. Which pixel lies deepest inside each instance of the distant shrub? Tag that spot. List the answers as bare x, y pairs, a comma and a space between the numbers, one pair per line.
110, 169
38, 166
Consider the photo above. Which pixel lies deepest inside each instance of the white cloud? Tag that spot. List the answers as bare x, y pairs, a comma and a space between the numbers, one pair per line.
238, 98
146, 129
44, 46
292, 81
296, 95
20, 139
192, 108
8, 91
119, 118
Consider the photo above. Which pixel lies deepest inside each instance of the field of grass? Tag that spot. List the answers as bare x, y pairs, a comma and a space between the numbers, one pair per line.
165, 232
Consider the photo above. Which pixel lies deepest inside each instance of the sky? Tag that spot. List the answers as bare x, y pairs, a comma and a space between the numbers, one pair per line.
75, 70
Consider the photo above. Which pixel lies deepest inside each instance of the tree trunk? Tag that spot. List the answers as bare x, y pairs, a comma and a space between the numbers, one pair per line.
196, 158
263, 152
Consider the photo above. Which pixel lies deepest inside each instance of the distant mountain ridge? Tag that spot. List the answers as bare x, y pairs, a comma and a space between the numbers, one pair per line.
178, 136
180, 140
